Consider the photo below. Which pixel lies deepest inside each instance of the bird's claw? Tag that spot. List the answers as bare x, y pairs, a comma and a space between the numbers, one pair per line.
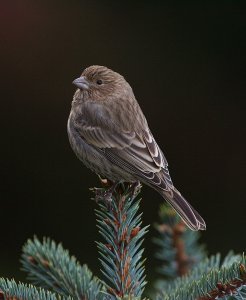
105, 182
102, 195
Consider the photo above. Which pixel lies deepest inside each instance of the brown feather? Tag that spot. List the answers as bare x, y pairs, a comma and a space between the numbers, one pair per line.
109, 133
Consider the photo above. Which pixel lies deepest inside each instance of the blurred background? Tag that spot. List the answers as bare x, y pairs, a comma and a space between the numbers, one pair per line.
186, 63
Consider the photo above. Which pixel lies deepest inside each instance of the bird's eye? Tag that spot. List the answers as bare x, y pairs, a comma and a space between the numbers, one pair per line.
99, 82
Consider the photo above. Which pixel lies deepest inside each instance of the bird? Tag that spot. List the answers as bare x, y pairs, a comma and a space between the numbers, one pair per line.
109, 133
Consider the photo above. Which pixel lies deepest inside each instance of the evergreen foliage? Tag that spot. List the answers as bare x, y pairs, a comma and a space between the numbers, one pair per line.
50, 266
10, 290
121, 255
210, 280
178, 247
186, 272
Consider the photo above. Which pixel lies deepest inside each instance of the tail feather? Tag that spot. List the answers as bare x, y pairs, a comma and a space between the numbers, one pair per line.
187, 213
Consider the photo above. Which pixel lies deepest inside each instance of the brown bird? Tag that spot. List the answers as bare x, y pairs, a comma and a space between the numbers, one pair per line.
109, 133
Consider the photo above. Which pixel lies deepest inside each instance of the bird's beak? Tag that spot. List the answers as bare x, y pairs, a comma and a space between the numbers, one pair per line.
81, 83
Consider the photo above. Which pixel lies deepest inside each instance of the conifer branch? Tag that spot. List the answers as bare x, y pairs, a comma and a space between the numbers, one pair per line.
121, 253
178, 247
50, 266
229, 288
188, 275
210, 280
10, 290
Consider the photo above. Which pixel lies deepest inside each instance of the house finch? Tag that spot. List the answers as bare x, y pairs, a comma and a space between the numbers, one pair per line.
110, 135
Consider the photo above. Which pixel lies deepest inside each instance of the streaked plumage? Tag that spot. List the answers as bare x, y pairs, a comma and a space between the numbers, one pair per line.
110, 135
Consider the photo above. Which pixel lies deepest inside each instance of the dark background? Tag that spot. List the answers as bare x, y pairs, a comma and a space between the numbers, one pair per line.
186, 63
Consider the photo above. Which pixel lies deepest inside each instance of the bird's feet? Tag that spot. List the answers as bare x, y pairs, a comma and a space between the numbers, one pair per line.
102, 194
105, 193
105, 182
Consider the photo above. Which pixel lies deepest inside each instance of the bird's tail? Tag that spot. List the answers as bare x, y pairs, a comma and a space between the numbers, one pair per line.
187, 213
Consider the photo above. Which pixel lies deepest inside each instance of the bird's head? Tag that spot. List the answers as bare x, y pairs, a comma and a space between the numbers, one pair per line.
99, 83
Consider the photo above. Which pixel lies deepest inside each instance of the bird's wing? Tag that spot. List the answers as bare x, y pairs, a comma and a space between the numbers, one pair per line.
135, 153
141, 156
147, 161
144, 158
104, 137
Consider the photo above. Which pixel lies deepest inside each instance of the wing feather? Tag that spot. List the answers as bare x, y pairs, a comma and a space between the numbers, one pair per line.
104, 138
138, 154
